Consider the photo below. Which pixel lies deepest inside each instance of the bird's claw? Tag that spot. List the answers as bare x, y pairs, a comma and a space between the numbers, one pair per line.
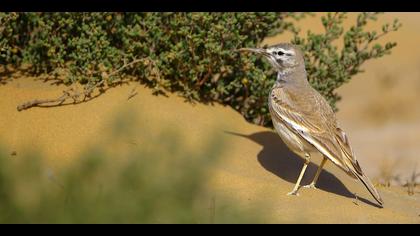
312, 185
293, 193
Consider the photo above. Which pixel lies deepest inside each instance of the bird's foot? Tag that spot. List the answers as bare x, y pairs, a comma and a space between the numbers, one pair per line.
293, 193
312, 185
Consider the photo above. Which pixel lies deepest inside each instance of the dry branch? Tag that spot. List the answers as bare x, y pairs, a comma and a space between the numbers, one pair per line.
37, 102
67, 94
75, 94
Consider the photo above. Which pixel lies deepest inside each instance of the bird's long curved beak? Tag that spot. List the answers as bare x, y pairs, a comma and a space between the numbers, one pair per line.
256, 50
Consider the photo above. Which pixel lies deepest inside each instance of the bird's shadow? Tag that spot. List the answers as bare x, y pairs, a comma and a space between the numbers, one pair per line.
276, 158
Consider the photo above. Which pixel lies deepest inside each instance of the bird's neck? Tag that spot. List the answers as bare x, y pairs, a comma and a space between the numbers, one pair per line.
292, 76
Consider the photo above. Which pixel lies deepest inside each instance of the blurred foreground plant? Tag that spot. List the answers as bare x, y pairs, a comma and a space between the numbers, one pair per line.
165, 183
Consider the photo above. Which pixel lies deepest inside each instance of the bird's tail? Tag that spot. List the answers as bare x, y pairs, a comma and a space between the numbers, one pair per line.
368, 184
356, 170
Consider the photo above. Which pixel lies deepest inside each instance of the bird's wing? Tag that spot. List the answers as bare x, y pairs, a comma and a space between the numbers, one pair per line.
344, 143
311, 117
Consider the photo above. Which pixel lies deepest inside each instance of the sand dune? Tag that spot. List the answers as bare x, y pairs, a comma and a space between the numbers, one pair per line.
255, 168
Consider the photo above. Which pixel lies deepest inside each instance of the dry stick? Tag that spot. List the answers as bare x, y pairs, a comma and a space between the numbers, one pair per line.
74, 94
69, 93
129, 64
37, 102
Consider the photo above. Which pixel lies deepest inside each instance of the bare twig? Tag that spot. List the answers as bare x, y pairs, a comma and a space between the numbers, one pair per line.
37, 102
127, 65
205, 77
74, 94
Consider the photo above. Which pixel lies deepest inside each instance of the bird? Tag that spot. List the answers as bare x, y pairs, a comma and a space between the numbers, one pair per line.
303, 118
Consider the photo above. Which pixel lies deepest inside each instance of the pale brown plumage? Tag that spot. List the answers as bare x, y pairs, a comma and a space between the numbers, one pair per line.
313, 117
304, 119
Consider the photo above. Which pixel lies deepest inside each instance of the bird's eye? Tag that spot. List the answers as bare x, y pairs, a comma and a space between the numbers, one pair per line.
280, 53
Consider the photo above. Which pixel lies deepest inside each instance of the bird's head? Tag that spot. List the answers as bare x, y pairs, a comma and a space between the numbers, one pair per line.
282, 56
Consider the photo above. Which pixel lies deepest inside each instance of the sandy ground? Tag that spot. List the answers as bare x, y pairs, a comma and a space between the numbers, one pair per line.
255, 168
378, 111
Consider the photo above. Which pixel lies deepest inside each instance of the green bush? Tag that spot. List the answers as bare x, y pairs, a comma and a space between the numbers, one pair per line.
329, 68
190, 53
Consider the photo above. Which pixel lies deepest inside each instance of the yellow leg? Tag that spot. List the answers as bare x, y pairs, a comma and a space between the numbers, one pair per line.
302, 173
318, 172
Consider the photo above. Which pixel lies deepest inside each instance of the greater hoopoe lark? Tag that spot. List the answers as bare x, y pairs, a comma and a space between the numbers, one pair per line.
303, 118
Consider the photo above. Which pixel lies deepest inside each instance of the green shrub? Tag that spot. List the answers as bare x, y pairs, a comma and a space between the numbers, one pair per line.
10, 39
190, 53
329, 68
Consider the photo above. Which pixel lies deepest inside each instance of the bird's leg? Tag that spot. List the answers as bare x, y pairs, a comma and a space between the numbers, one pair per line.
318, 172
302, 172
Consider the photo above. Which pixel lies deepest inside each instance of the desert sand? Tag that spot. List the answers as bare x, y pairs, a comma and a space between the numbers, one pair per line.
256, 166
381, 120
